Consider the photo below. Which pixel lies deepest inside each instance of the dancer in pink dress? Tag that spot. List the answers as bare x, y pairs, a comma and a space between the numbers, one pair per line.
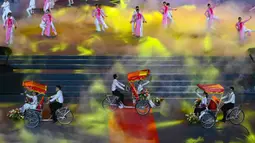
170, 15
47, 24
9, 25
209, 13
139, 20
167, 14
242, 30
99, 15
133, 23
164, 11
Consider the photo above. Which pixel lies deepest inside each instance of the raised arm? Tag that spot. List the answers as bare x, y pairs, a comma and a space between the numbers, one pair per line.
247, 20
252, 9
118, 85
29, 96
56, 96
121, 84
199, 95
172, 8
145, 83
5, 4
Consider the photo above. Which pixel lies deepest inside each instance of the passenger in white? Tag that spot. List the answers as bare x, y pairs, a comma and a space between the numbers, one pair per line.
32, 104
56, 102
115, 85
31, 7
229, 103
140, 90
203, 104
6, 9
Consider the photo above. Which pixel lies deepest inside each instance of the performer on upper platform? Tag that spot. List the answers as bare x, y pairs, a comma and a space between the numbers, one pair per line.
31, 7
47, 24
170, 15
139, 20
133, 23
242, 30
9, 25
70, 2
46, 5
164, 11
52, 4
6, 9
209, 13
99, 15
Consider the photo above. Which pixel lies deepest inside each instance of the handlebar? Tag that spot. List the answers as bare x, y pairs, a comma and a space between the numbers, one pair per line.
127, 88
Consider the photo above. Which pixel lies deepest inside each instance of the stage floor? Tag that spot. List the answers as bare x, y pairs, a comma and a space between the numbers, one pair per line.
77, 35
166, 124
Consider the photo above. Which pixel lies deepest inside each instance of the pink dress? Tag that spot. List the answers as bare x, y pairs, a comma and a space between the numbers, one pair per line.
139, 19
165, 20
99, 20
242, 30
49, 24
9, 25
210, 17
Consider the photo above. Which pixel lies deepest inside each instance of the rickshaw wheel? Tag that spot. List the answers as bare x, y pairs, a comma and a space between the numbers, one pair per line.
106, 103
236, 116
142, 107
207, 120
64, 116
31, 118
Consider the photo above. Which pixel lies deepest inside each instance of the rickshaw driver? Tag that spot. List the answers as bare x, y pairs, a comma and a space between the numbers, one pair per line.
116, 92
56, 102
229, 104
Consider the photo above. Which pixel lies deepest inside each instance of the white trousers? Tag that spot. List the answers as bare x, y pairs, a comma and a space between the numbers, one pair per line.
70, 2
42, 26
46, 7
210, 21
97, 23
133, 27
30, 10
5, 13
27, 106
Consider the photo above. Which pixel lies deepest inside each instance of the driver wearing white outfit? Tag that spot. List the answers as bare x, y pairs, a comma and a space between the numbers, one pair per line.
116, 92
6, 9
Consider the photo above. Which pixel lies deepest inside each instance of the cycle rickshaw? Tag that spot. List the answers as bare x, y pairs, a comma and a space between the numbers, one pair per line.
33, 117
141, 102
208, 117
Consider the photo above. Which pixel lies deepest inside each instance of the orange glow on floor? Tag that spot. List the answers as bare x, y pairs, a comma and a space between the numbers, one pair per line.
127, 126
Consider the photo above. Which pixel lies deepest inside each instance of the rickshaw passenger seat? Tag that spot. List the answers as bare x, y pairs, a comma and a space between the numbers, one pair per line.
40, 105
213, 103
